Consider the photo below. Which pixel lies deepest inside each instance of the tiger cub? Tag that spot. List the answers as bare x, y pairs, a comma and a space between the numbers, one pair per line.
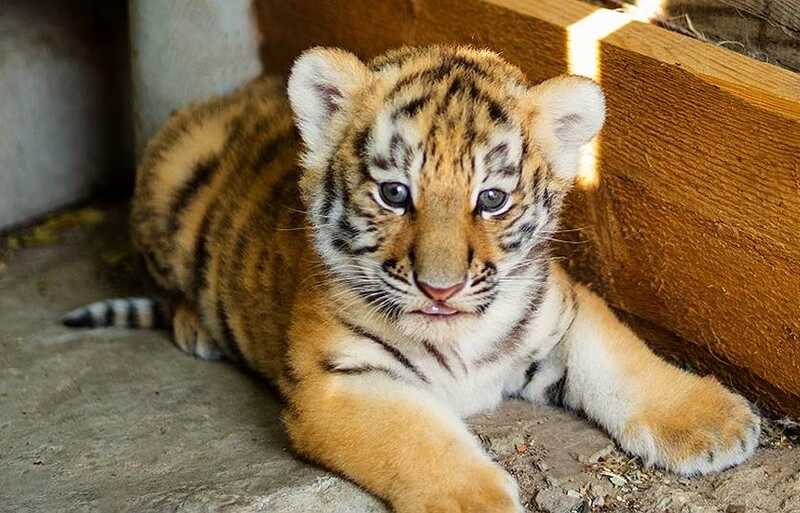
376, 244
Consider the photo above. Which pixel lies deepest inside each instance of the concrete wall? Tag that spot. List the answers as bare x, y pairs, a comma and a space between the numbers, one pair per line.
187, 50
79, 96
60, 116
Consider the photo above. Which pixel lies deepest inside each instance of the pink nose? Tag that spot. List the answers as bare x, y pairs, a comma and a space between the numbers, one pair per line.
440, 293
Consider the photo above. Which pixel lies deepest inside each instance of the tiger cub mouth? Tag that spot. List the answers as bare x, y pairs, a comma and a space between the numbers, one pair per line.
438, 309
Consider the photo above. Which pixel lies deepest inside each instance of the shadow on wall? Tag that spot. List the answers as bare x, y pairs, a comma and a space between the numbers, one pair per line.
65, 118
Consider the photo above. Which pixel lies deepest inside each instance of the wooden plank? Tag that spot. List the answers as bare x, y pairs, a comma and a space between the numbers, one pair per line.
694, 225
767, 30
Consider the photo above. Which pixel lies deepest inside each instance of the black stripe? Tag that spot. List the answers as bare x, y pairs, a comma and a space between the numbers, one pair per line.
478, 281
392, 287
411, 108
131, 314
481, 309
547, 199
456, 86
437, 355
506, 171
388, 267
510, 225
527, 228
468, 65
340, 244
379, 162
270, 151
509, 343
229, 338
377, 298
496, 112
201, 256
329, 366
430, 75
201, 176
360, 143
399, 278
328, 189
160, 315
399, 356
108, 318
486, 288
436, 74
398, 147
511, 246
363, 250
529, 373
84, 319
461, 362
347, 227
556, 391
234, 139
394, 58
499, 153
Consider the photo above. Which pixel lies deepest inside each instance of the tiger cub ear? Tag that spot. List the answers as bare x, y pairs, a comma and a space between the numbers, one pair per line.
322, 84
568, 112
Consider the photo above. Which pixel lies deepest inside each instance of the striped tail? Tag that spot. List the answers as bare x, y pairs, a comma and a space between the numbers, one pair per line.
129, 312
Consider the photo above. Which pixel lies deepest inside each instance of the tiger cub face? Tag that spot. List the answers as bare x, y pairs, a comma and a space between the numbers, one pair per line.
434, 175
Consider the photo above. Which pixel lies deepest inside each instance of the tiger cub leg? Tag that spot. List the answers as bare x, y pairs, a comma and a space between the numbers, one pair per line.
669, 417
362, 413
190, 336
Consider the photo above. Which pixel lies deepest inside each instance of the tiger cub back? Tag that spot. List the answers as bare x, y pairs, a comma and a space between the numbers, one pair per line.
215, 186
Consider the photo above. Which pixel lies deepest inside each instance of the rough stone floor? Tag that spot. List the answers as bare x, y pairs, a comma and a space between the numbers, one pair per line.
118, 420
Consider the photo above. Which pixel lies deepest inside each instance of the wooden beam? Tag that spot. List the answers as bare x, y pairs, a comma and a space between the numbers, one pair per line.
695, 223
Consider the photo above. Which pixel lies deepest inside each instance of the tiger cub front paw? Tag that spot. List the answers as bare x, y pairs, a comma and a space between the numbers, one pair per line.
705, 429
486, 489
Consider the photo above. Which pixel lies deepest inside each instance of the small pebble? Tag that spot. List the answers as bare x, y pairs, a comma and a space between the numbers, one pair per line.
551, 481
601, 454
615, 479
735, 508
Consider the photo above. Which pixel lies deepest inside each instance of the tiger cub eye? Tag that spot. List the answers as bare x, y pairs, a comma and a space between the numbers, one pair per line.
491, 200
394, 194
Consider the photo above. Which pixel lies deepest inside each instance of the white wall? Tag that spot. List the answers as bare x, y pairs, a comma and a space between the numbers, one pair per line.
185, 50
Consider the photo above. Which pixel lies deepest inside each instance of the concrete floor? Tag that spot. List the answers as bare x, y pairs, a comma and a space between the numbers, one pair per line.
119, 420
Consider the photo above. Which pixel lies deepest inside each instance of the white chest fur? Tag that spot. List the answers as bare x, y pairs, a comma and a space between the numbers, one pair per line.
486, 362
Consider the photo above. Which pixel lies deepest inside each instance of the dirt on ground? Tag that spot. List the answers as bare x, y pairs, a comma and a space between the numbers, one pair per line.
119, 420
565, 465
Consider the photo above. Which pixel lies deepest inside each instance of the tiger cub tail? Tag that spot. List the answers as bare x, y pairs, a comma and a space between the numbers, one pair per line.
128, 312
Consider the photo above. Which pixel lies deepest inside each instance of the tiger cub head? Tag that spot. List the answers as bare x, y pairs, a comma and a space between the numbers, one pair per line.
433, 176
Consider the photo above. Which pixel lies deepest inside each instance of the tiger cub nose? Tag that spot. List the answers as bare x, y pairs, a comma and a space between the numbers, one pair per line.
441, 293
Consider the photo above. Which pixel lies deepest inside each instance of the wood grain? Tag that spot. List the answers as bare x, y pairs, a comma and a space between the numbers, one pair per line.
695, 224
767, 30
